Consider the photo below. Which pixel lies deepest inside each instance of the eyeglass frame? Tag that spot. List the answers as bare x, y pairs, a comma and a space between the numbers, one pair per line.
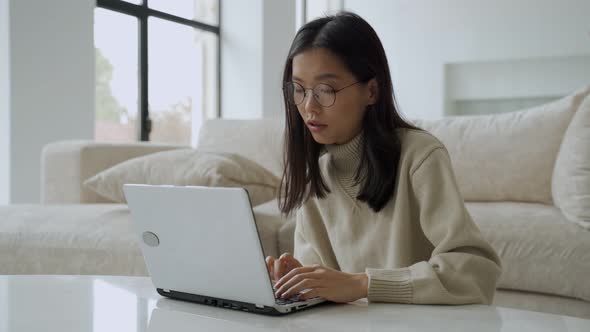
331, 87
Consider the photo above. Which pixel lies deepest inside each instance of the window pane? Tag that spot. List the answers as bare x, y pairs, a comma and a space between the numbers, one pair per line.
182, 80
199, 10
137, 2
115, 41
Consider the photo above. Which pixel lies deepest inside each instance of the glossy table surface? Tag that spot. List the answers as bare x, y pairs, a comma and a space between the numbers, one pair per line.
103, 303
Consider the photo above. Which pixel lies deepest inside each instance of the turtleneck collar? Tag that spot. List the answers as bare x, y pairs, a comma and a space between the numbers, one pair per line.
345, 159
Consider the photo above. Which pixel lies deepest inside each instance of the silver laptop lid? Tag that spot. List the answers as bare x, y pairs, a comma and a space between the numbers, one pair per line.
201, 240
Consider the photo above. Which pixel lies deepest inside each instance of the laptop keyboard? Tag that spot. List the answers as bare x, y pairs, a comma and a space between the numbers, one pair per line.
283, 301
292, 299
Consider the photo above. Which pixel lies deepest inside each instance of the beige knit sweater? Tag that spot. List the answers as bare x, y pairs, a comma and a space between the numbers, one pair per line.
423, 247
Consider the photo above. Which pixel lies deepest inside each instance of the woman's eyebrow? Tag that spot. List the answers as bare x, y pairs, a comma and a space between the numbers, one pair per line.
320, 77
327, 75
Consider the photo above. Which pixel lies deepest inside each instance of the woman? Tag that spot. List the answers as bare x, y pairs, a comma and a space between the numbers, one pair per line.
378, 210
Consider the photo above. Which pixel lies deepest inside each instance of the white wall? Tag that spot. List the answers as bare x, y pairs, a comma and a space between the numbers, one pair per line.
278, 33
320, 8
241, 61
255, 40
421, 37
51, 87
4, 308
4, 104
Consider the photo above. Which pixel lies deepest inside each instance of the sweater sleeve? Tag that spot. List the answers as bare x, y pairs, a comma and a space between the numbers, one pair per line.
463, 267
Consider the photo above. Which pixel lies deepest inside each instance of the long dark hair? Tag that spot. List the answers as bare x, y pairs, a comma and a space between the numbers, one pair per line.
352, 39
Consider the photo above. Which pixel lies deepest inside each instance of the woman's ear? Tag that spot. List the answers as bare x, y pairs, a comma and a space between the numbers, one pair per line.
373, 91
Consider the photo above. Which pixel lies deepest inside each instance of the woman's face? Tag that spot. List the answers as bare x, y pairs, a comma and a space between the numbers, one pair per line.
341, 121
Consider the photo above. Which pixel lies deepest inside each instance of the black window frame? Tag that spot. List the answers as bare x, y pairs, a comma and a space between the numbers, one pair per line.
142, 13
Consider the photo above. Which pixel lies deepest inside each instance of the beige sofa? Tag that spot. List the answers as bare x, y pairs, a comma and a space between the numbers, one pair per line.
546, 257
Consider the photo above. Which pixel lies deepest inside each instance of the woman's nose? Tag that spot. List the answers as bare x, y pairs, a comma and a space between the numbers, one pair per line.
311, 104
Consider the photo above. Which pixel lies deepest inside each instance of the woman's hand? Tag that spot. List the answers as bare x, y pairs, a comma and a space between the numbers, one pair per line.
322, 281
281, 266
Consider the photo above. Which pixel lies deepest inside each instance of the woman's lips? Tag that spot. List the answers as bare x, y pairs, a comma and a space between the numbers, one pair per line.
316, 127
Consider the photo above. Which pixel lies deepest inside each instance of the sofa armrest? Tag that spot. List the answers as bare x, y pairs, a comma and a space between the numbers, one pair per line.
65, 165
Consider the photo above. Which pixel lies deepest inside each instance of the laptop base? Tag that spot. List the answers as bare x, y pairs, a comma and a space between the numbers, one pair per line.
228, 304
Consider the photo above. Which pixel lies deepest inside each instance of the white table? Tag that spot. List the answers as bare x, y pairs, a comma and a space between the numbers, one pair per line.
86, 303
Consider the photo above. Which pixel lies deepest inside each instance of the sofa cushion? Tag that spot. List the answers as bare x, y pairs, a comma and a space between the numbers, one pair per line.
506, 157
260, 140
571, 176
269, 222
540, 250
68, 239
85, 239
285, 225
186, 167
66, 164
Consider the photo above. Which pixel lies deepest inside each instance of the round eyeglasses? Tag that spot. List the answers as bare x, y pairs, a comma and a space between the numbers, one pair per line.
323, 93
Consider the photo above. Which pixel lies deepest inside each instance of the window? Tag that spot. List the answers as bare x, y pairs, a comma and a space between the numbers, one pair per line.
157, 69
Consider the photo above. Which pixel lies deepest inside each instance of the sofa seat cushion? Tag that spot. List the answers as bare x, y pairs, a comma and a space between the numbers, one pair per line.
93, 239
269, 222
68, 239
540, 250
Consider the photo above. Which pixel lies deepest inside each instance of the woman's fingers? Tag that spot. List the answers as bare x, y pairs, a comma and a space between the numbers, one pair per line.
278, 267
286, 255
270, 265
281, 267
293, 272
307, 283
290, 258
286, 289
285, 263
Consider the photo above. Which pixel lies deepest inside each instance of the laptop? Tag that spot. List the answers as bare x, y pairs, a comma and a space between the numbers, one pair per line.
201, 244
